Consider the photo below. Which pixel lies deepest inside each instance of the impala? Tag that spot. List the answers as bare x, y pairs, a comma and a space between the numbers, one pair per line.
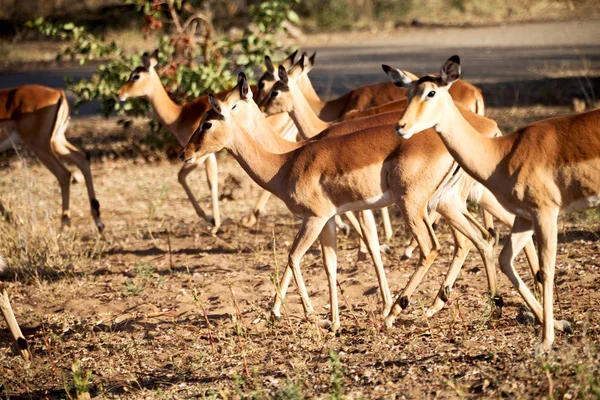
286, 96
352, 172
181, 121
38, 116
537, 172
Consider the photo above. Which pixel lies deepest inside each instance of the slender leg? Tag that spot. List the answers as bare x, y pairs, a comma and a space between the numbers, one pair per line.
418, 225
362, 247
13, 326
328, 248
45, 154
369, 232
308, 233
259, 209
462, 246
521, 232
212, 176
546, 231
454, 211
489, 202
387, 224
182, 177
63, 148
434, 217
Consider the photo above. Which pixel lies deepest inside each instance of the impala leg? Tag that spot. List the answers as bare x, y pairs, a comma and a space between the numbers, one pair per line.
454, 211
418, 226
65, 149
45, 154
462, 246
212, 176
489, 203
545, 227
387, 223
306, 236
362, 247
13, 326
182, 177
434, 217
259, 208
369, 232
328, 247
521, 232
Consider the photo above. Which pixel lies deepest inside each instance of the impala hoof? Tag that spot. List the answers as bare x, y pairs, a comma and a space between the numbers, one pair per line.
100, 226
327, 324
275, 316
65, 221
385, 249
389, 321
566, 327
250, 221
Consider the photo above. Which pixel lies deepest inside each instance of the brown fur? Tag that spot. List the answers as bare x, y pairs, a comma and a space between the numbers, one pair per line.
39, 115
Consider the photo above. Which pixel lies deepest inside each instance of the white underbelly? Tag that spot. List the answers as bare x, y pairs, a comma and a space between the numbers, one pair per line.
582, 204
373, 203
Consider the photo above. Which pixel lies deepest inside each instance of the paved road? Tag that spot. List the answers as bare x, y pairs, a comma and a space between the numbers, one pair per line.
504, 60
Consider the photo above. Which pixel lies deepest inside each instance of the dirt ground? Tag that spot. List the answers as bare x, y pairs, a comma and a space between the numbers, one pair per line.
158, 307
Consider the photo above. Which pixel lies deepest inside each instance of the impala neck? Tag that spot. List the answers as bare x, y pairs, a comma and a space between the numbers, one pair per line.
478, 155
166, 110
267, 131
308, 123
309, 93
265, 168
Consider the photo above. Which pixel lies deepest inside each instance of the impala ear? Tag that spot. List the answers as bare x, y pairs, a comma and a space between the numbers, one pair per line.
450, 71
154, 59
245, 92
289, 60
398, 77
283, 75
146, 60
298, 68
215, 103
269, 64
310, 63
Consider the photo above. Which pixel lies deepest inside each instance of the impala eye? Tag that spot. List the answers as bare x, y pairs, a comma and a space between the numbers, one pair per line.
135, 77
234, 106
206, 126
274, 94
431, 94
261, 85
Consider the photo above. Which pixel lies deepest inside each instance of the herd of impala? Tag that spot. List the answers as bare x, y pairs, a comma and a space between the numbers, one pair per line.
421, 143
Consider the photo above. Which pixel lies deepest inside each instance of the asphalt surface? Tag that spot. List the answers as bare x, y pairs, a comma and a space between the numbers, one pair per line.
503, 60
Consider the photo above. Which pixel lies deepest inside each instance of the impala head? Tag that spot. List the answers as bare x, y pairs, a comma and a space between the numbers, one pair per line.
427, 97
216, 127
280, 98
142, 79
270, 76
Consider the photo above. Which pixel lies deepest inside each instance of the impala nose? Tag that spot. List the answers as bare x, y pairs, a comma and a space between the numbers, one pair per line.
399, 128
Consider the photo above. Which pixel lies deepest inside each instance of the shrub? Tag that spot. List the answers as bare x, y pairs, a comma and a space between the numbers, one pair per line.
193, 59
